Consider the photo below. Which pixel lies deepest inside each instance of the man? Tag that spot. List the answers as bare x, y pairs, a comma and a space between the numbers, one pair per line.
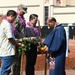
55, 43
7, 42
20, 24
20, 21
33, 32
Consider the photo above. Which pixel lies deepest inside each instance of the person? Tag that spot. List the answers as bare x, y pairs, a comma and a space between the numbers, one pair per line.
7, 42
20, 24
34, 33
55, 43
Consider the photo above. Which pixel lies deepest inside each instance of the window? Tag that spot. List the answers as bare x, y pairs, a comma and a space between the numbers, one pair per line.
65, 24
46, 14
58, 1
73, 24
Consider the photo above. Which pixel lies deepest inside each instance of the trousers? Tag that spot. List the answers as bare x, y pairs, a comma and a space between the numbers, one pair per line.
6, 63
31, 56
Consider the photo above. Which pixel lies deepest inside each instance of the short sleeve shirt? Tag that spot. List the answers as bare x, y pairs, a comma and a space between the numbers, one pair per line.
6, 32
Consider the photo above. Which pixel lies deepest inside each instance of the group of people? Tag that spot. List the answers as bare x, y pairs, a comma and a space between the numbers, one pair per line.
14, 27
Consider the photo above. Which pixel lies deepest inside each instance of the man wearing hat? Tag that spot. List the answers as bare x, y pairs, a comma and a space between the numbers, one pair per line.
20, 21
20, 24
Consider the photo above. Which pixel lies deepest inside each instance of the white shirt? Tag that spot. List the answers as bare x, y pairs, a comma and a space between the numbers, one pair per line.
6, 48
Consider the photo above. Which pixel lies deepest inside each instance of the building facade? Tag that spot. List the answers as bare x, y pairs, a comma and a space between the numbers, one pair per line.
62, 10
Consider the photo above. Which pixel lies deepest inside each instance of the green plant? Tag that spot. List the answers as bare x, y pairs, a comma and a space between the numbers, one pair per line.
27, 45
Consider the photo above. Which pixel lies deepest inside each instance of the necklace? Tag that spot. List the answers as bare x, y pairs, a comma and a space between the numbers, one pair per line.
22, 20
13, 27
34, 29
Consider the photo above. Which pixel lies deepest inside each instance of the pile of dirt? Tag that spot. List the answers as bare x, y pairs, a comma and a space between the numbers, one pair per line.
70, 63
40, 63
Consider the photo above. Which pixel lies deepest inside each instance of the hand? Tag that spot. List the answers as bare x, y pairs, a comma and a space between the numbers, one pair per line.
46, 48
33, 38
41, 40
20, 40
20, 44
38, 22
25, 38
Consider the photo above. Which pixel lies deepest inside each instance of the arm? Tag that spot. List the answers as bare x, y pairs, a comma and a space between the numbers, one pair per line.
9, 34
39, 28
13, 41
